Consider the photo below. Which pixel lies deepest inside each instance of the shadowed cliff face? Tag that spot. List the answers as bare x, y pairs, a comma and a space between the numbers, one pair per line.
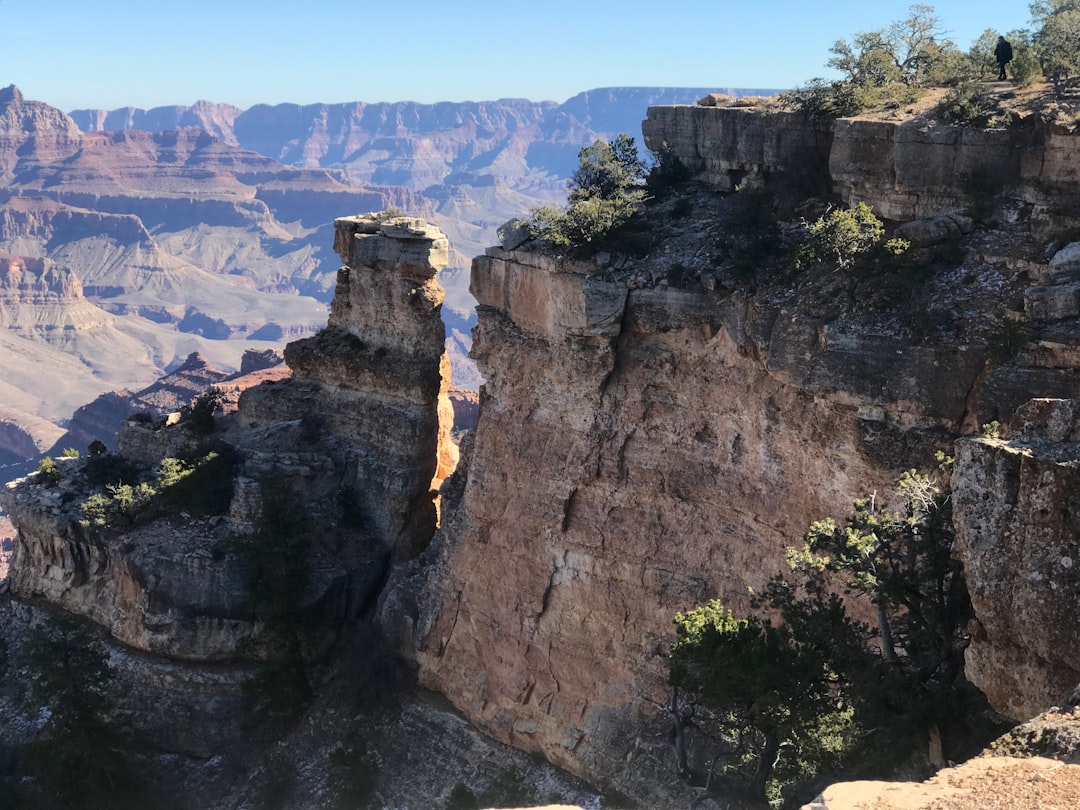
637, 453
357, 440
377, 376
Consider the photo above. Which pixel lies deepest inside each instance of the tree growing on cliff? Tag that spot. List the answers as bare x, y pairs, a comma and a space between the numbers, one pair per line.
604, 192
886, 66
840, 237
79, 757
908, 51
801, 698
781, 701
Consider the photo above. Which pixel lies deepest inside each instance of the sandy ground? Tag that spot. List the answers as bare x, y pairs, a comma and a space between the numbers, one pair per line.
991, 783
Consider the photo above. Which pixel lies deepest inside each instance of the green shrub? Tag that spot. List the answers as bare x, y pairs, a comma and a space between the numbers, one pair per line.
840, 237
967, 104
200, 413
202, 486
118, 506
822, 99
1026, 69
48, 472
751, 236
798, 700
604, 193
585, 225
70, 452
667, 173
1057, 35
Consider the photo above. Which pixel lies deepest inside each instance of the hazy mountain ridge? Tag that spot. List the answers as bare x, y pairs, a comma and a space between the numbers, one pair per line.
379, 141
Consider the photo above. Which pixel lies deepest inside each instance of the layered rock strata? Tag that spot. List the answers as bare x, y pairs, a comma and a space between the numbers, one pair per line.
171, 585
359, 438
378, 377
638, 452
909, 169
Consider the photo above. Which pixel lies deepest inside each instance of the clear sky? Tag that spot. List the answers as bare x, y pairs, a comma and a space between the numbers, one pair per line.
146, 53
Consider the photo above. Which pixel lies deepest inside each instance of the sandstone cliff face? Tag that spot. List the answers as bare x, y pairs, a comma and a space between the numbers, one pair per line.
645, 444
640, 451
1017, 521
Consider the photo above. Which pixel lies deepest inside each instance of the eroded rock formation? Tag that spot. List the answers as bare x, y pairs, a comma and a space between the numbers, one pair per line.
377, 376
646, 444
1018, 521
357, 441
638, 452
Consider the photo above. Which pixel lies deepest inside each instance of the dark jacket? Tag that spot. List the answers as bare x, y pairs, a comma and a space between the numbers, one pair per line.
1003, 52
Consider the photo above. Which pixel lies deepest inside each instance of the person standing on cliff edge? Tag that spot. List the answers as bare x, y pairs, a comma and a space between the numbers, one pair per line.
1003, 55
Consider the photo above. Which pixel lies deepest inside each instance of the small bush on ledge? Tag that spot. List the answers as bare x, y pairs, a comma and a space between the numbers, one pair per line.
605, 192
840, 237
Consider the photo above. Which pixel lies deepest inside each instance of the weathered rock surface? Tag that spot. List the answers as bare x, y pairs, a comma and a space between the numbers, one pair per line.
728, 147
359, 437
173, 585
646, 443
915, 168
377, 376
638, 452
1017, 522
975, 785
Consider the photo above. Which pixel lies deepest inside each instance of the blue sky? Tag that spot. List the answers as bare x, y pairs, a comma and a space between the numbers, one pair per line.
146, 53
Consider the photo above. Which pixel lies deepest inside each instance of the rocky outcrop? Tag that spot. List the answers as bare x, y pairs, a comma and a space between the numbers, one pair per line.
377, 376
974, 785
1019, 530
909, 169
639, 451
175, 585
731, 147
357, 440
